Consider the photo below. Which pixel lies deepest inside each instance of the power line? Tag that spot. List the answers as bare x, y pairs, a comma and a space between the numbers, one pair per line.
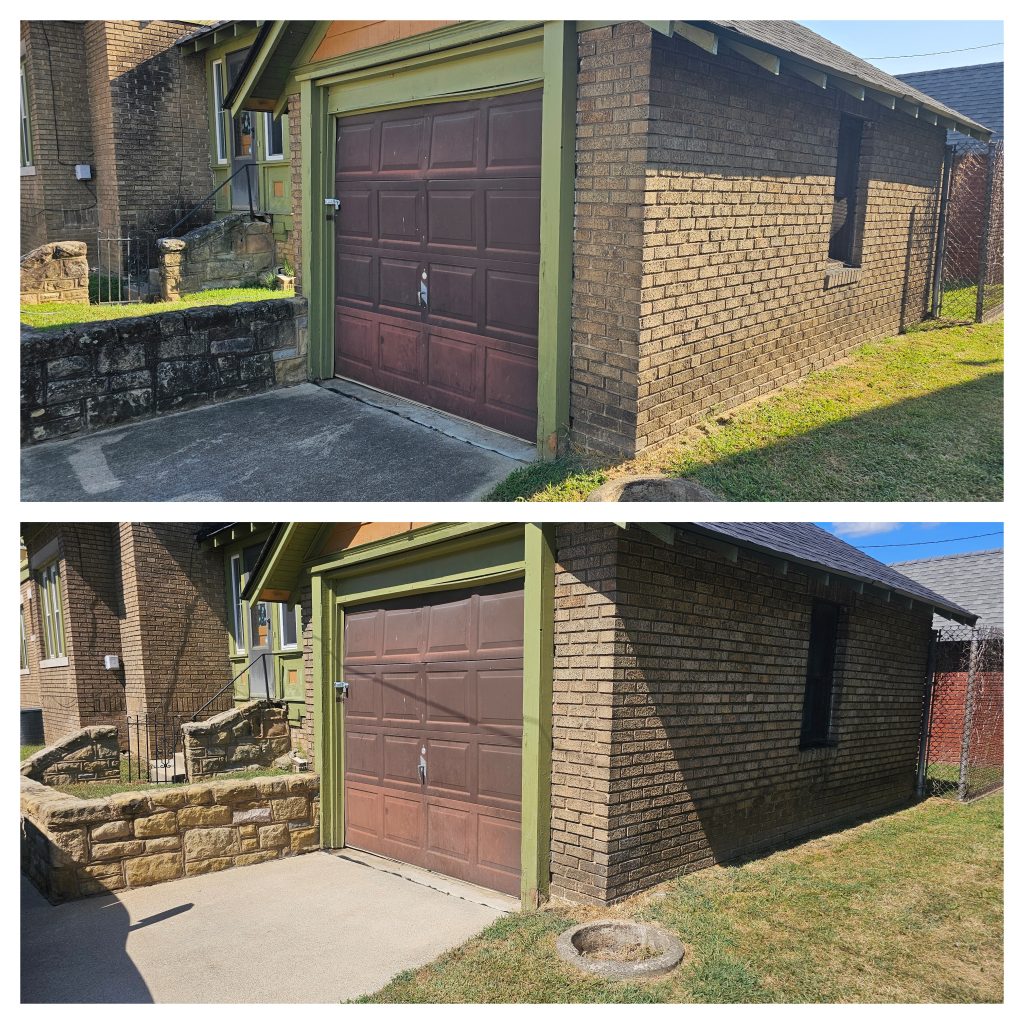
936, 53
947, 540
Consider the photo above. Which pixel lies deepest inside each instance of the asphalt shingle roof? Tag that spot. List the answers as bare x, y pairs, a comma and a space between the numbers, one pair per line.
790, 37
810, 544
974, 579
977, 90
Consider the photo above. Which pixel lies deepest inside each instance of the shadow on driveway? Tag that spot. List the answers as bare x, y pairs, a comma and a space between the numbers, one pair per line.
304, 443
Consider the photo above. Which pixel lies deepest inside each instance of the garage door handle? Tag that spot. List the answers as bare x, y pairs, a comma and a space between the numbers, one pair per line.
423, 769
424, 292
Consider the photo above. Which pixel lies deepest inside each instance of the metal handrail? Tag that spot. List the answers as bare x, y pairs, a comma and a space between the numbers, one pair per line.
230, 686
227, 181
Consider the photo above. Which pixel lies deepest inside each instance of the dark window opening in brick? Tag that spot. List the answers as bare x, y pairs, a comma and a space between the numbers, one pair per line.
845, 204
816, 728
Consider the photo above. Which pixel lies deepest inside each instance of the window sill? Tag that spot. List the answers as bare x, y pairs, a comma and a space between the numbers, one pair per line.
839, 274
28, 172
26, 671
54, 663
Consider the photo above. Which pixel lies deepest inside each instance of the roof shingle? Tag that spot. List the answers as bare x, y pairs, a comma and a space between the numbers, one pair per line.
974, 579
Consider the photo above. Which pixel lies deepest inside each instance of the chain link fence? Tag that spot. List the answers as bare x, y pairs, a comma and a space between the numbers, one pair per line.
968, 285
964, 722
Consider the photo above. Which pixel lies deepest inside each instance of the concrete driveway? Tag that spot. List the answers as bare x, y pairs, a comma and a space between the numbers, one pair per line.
337, 442
312, 929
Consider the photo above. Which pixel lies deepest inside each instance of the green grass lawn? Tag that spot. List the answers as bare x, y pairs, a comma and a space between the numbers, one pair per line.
912, 418
28, 751
906, 908
63, 314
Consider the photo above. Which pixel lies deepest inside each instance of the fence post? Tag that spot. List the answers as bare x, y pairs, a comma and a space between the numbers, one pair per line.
940, 232
979, 308
965, 740
926, 717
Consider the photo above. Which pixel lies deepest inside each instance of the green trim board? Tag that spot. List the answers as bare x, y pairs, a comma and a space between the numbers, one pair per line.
495, 552
455, 62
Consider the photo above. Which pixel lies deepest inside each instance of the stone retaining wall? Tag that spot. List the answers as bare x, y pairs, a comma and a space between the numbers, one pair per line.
229, 253
56, 272
95, 375
88, 755
250, 736
72, 848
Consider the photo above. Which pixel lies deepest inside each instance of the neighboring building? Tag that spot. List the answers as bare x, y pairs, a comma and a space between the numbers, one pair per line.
144, 592
595, 231
113, 134
967, 660
588, 709
976, 91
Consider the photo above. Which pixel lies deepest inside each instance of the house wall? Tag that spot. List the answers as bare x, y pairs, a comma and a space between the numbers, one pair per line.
175, 622
693, 756
31, 694
149, 126
80, 692
704, 209
55, 206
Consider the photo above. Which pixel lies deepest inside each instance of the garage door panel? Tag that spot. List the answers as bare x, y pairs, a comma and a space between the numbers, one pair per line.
452, 189
443, 690
511, 300
499, 773
455, 141
401, 143
398, 216
512, 220
513, 137
357, 148
361, 350
399, 350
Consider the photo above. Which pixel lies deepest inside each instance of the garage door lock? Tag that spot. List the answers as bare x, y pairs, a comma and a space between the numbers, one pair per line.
341, 689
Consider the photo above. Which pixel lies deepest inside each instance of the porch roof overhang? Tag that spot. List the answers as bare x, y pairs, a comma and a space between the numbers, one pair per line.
778, 47
278, 570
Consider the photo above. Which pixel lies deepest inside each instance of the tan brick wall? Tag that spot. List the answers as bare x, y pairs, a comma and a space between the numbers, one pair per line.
55, 206
174, 630
31, 694
701, 664
726, 299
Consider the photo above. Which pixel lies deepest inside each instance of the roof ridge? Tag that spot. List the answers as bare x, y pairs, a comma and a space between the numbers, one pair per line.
954, 554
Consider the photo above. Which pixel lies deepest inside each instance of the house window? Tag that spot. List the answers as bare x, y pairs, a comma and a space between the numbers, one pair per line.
24, 642
26, 124
273, 133
287, 634
219, 113
847, 204
52, 605
237, 612
816, 728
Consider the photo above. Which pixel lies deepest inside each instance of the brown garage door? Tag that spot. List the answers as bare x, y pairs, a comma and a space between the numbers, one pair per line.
433, 732
438, 242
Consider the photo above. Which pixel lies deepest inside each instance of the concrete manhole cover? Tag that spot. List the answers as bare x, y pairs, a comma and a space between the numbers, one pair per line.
620, 949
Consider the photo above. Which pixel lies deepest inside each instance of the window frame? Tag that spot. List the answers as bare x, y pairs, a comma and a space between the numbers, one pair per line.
284, 610
27, 152
850, 256
815, 735
268, 134
221, 134
25, 667
51, 612
237, 614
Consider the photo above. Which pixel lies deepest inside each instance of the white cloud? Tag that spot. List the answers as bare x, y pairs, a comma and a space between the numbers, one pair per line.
863, 529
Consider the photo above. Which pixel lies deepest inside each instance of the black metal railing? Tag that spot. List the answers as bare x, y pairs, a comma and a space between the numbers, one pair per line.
155, 748
253, 213
204, 711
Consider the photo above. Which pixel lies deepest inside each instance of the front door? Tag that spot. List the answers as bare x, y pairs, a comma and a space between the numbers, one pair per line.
433, 728
438, 253
243, 146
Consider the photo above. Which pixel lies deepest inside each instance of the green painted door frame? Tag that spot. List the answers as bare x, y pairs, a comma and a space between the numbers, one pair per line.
448, 559
460, 62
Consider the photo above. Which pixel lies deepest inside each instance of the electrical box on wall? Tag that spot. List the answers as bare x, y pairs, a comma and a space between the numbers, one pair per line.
111, 662
83, 172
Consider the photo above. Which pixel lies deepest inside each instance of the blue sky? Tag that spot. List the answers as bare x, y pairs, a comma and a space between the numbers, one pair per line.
904, 541
873, 39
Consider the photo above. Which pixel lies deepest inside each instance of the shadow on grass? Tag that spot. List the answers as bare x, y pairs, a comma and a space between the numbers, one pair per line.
944, 446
